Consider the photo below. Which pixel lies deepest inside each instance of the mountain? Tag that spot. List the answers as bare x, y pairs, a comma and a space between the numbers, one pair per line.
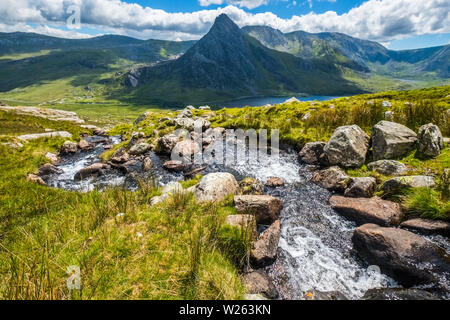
228, 63
367, 54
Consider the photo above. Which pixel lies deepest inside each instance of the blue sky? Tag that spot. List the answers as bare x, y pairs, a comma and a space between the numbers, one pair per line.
397, 24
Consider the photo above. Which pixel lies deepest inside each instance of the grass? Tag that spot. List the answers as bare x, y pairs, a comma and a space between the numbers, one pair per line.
426, 203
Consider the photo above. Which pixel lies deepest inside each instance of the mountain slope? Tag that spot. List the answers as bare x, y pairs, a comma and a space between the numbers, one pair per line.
227, 63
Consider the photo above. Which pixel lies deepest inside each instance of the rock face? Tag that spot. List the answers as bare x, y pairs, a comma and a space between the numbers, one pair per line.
264, 251
257, 282
399, 294
398, 183
428, 227
388, 167
216, 186
361, 187
275, 182
265, 208
373, 210
166, 144
93, 170
391, 140
405, 256
139, 148
333, 179
251, 186
313, 152
69, 147
431, 141
347, 147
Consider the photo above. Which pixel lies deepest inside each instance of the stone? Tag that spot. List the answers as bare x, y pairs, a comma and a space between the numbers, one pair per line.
311, 153
176, 166
392, 140
185, 123
52, 157
408, 182
120, 156
49, 169
333, 179
69, 147
251, 186
205, 108
258, 282
291, 100
431, 141
51, 114
373, 210
46, 135
216, 187
403, 255
185, 113
386, 104
264, 251
202, 123
275, 182
185, 149
244, 221
347, 147
388, 167
95, 169
427, 227
361, 187
139, 148
36, 179
398, 294
147, 164
84, 145
166, 143
306, 116
265, 208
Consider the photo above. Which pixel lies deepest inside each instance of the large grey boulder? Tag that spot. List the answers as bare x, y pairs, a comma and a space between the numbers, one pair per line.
363, 187
313, 152
388, 167
184, 150
264, 251
408, 182
403, 255
431, 141
216, 187
333, 179
265, 208
373, 210
392, 140
347, 147
185, 123
139, 148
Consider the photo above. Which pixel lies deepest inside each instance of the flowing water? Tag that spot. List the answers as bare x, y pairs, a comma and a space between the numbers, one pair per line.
315, 250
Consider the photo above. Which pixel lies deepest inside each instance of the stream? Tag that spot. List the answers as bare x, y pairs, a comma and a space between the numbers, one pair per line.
315, 249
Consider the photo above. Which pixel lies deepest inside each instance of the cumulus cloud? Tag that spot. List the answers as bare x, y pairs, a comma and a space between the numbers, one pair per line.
250, 4
379, 20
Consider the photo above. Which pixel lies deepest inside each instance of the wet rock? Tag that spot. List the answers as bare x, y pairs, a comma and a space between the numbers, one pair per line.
361, 187
430, 141
176, 166
399, 294
323, 296
388, 167
403, 255
251, 186
373, 210
216, 187
139, 149
264, 251
95, 169
312, 153
49, 169
407, 182
120, 156
185, 150
427, 227
391, 140
35, 136
166, 144
347, 147
275, 182
257, 282
52, 157
333, 179
36, 179
69, 147
265, 208
84, 145
147, 164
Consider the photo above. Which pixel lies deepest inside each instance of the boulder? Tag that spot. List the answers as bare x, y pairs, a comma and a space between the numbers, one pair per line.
333, 179
166, 144
251, 186
373, 210
258, 282
392, 140
275, 182
167, 191
431, 141
49, 169
176, 166
185, 123
216, 187
265, 208
244, 221
35, 136
205, 108
312, 153
347, 147
427, 227
186, 113
95, 169
202, 123
69, 147
52, 157
407, 182
399, 294
264, 251
403, 255
185, 150
147, 164
36, 179
139, 148
388, 167
361, 187
84, 145
120, 156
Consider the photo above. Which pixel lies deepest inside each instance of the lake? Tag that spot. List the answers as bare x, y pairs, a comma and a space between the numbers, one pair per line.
262, 101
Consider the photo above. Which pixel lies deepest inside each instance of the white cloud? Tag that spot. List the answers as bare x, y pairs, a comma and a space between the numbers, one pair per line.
250, 4
380, 20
